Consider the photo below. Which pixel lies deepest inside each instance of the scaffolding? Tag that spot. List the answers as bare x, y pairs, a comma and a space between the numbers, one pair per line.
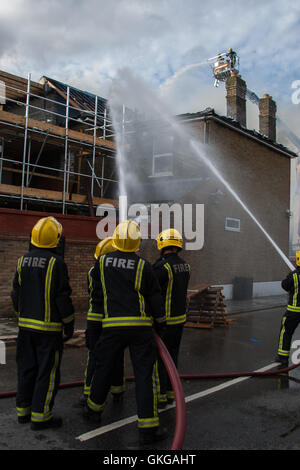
57, 147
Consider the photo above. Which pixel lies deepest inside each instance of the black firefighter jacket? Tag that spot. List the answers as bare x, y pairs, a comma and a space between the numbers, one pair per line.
41, 292
291, 285
173, 274
125, 292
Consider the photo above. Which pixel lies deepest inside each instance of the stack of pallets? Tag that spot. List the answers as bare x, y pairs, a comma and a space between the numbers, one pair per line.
205, 307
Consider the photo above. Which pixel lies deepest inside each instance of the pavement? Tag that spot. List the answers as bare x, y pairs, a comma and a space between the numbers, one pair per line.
224, 410
255, 304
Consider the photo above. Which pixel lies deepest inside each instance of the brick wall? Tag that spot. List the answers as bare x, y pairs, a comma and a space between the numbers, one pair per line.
80, 233
261, 177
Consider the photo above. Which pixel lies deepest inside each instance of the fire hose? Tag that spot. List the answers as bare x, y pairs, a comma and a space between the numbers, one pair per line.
175, 380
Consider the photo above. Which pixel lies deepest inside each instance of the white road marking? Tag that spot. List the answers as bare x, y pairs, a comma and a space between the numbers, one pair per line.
118, 424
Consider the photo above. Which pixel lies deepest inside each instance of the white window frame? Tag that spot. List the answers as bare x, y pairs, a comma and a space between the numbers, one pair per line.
155, 156
232, 229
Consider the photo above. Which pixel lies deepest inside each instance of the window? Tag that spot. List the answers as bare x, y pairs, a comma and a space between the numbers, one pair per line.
233, 225
162, 155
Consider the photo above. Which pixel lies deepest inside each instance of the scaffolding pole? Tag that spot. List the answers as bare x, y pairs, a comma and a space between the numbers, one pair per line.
94, 146
66, 150
1, 159
28, 179
25, 140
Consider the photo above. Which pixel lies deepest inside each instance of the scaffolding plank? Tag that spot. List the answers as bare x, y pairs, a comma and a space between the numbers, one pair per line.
55, 130
53, 195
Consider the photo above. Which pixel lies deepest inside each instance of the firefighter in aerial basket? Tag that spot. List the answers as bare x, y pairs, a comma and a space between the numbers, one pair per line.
173, 275
128, 293
41, 297
291, 318
93, 331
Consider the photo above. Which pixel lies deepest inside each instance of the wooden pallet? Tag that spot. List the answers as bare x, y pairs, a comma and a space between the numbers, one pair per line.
206, 307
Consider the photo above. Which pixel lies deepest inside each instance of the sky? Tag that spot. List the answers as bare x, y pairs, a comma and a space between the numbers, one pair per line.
87, 43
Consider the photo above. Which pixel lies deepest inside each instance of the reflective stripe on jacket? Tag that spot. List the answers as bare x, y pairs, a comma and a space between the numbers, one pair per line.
173, 274
126, 291
291, 284
41, 292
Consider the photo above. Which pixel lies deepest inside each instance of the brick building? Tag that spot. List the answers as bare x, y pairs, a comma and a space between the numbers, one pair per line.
53, 148
235, 250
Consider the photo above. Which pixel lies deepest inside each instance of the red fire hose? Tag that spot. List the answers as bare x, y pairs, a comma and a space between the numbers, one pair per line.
178, 393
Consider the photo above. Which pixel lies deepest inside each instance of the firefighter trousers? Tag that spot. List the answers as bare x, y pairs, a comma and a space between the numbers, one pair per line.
38, 364
289, 323
142, 349
118, 376
172, 339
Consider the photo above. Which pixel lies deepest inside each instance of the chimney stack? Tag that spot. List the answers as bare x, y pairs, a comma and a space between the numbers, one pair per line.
236, 98
267, 117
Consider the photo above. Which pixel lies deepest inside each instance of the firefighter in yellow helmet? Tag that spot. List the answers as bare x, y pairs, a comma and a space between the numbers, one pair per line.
128, 293
291, 318
173, 275
41, 297
93, 331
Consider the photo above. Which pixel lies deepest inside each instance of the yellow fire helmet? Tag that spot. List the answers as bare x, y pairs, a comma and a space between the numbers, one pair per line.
103, 247
169, 237
127, 236
46, 233
298, 258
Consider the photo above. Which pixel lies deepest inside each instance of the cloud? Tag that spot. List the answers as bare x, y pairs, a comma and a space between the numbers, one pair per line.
87, 43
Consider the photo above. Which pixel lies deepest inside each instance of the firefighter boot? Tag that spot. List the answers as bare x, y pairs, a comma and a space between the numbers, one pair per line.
90, 415
151, 435
51, 423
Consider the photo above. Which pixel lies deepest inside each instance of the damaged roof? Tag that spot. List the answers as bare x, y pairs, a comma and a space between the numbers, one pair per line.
83, 99
209, 113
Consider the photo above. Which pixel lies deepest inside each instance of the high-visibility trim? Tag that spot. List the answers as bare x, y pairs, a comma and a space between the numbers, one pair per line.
280, 342
94, 407
162, 398
137, 285
19, 265
41, 417
24, 411
97, 317
176, 320
170, 395
51, 387
283, 352
86, 388
68, 319
296, 289
169, 290
160, 319
117, 389
148, 422
159, 395
126, 321
48, 288
291, 308
90, 280
39, 325
101, 264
